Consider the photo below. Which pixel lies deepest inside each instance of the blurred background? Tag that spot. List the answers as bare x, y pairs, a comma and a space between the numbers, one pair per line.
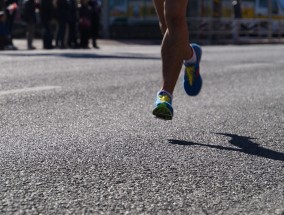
209, 21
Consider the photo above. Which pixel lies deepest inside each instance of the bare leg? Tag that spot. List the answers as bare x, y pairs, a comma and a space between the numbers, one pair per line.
175, 45
160, 9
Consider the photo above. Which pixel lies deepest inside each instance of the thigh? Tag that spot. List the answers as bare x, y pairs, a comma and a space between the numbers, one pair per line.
175, 8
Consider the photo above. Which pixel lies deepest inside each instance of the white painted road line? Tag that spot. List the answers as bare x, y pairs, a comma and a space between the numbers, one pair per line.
27, 90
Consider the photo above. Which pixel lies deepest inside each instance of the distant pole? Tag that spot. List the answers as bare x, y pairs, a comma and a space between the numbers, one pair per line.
105, 18
1, 5
270, 19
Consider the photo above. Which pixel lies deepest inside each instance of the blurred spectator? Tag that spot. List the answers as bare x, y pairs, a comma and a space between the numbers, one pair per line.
96, 15
237, 9
11, 7
29, 16
62, 11
237, 15
72, 24
85, 25
3, 32
46, 15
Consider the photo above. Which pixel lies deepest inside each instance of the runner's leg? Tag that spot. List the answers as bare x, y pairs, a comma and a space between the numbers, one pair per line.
175, 45
160, 9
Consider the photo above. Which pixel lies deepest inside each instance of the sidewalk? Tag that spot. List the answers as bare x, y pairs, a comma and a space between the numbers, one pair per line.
21, 44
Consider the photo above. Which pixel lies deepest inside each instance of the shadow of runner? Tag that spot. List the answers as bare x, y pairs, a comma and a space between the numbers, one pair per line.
243, 143
249, 147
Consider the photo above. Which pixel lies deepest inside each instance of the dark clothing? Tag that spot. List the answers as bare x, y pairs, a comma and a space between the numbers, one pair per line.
72, 23
62, 11
96, 14
3, 30
85, 25
61, 34
237, 9
30, 35
10, 14
47, 35
10, 18
85, 12
46, 10
62, 14
29, 11
29, 16
3, 35
47, 14
72, 11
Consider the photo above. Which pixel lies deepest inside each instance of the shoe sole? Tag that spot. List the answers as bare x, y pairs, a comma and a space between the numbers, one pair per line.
193, 90
196, 88
163, 112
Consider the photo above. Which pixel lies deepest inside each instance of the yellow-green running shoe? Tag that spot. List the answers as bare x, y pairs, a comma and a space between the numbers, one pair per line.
163, 106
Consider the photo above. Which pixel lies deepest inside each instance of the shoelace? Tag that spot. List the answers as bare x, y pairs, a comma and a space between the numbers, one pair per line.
164, 98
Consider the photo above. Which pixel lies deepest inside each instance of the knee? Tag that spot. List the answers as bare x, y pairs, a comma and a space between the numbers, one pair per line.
163, 27
174, 15
174, 19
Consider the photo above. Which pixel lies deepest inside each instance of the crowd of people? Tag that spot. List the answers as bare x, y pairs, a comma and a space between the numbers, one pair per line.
65, 23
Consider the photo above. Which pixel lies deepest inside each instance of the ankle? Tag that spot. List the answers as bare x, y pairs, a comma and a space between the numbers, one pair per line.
193, 57
167, 93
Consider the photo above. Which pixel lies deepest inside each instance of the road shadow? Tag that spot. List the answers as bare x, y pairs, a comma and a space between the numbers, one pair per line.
83, 55
244, 144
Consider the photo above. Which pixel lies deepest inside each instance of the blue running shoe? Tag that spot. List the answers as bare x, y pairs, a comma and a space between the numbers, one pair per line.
192, 81
163, 107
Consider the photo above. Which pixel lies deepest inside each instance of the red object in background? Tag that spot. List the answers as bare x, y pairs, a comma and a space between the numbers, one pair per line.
12, 7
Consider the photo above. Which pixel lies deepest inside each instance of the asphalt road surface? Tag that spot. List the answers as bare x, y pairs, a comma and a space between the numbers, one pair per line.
77, 135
